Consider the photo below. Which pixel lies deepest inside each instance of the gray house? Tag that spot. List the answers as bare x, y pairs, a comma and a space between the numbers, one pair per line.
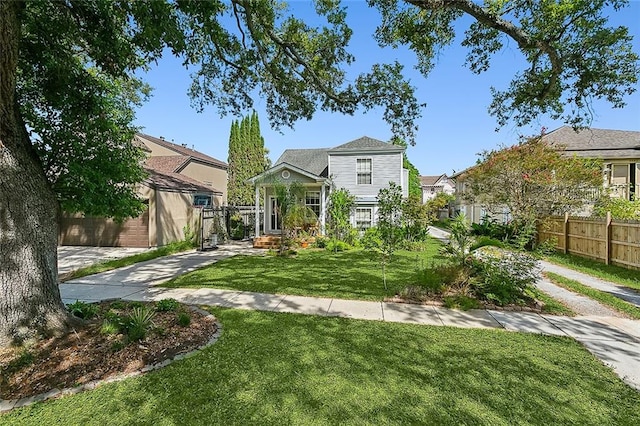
363, 167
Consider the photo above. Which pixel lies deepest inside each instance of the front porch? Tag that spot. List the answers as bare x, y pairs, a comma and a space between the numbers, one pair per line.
314, 196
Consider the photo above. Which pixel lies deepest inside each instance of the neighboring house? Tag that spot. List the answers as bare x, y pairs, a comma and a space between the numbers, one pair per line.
433, 185
168, 157
172, 192
363, 167
618, 149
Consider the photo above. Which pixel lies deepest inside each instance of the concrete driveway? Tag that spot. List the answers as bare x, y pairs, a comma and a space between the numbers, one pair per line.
71, 258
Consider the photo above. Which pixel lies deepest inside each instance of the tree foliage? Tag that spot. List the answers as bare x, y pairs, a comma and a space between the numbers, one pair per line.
68, 89
532, 179
247, 158
572, 55
339, 209
415, 218
437, 203
620, 208
415, 187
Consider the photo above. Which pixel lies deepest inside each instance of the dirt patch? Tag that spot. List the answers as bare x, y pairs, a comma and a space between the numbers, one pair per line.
94, 351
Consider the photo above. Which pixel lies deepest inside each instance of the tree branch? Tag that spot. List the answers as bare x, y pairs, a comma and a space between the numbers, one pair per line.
523, 38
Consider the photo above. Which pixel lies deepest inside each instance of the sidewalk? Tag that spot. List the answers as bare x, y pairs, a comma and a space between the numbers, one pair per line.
615, 341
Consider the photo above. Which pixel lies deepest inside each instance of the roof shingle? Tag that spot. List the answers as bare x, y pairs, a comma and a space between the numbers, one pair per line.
366, 143
315, 161
177, 182
596, 143
183, 150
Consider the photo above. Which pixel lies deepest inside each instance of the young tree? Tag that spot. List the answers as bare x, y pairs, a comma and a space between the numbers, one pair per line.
389, 224
288, 197
247, 158
415, 218
339, 209
532, 179
235, 49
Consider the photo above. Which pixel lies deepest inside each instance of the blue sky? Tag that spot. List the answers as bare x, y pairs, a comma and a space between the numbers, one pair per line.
454, 127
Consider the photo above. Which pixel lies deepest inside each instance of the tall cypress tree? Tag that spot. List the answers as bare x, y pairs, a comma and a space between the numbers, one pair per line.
247, 158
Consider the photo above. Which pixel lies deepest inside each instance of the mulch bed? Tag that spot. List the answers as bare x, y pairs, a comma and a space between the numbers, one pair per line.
85, 354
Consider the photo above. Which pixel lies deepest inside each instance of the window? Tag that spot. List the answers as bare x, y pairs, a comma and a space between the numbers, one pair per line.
202, 200
363, 218
312, 200
364, 171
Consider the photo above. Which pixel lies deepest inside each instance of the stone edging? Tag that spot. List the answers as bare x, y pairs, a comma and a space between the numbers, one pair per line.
8, 405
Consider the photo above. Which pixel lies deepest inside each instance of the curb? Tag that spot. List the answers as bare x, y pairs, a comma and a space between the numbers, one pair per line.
7, 405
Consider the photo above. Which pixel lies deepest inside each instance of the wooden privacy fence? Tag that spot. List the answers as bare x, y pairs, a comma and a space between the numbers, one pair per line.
610, 241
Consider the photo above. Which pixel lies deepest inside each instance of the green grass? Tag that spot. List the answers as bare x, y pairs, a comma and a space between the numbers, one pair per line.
613, 273
353, 274
601, 296
552, 306
129, 260
271, 368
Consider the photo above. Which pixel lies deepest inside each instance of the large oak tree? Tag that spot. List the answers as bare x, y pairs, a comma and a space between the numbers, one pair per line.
68, 92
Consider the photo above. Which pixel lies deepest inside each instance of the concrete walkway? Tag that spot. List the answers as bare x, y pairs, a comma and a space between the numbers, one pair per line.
621, 292
71, 258
615, 341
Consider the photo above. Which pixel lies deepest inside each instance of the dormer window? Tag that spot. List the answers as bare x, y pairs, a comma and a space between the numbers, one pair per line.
363, 169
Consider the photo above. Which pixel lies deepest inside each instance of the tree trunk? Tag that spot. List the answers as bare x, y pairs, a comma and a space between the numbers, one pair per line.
30, 303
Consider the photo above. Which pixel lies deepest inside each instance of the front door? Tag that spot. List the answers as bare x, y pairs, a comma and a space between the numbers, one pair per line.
275, 217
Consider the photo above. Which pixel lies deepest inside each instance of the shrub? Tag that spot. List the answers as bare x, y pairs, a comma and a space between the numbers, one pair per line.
371, 239
337, 245
460, 301
484, 241
459, 246
83, 310
139, 322
504, 276
321, 242
167, 305
109, 327
184, 319
118, 304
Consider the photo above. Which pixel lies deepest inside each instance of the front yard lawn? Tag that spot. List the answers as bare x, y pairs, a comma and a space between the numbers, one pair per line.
353, 274
271, 368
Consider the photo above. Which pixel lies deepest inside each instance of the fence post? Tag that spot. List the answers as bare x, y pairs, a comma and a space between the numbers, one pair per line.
607, 238
565, 231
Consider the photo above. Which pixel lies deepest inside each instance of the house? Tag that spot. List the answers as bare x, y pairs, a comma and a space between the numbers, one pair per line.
169, 157
433, 185
618, 149
362, 166
172, 192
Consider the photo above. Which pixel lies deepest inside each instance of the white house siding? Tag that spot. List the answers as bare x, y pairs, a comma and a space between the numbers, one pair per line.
385, 168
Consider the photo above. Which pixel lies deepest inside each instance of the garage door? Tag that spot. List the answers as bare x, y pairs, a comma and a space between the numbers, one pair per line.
100, 232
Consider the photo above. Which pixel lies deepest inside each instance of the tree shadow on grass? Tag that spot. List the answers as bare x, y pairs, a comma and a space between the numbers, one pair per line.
281, 368
350, 275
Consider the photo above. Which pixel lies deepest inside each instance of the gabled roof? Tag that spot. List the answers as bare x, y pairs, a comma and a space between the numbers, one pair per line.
282, 166
315, 161
183, 150
430, 180
166, 163
596, 143
177, 183
366, 143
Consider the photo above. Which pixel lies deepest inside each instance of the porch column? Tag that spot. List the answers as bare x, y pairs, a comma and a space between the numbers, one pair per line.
257, 224
323, 210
